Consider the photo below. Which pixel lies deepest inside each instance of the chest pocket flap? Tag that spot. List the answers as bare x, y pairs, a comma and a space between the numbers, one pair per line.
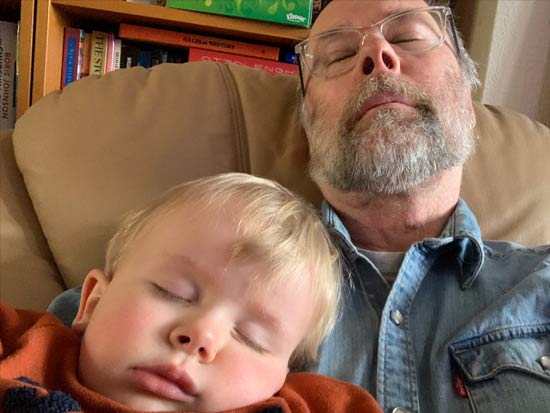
525, 348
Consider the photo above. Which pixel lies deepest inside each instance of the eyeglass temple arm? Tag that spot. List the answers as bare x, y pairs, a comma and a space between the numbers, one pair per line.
455, 37
301, 74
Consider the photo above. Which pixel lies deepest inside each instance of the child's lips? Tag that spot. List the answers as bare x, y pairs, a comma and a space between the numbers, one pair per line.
166, 381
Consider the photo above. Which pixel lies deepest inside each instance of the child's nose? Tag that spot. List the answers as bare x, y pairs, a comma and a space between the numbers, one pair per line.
202, 339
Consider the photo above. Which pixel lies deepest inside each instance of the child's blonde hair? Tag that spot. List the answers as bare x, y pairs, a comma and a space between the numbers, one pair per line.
274, 225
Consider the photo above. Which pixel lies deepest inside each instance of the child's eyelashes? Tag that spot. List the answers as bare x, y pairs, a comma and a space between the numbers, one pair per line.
239, 336
166, 293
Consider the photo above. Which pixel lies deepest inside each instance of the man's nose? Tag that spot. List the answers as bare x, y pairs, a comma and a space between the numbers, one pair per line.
377, 56
202, 338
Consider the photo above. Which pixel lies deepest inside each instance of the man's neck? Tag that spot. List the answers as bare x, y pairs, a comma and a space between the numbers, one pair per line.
395, 222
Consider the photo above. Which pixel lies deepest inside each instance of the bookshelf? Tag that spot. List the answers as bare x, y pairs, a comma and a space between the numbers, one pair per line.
54, 15
43, 22
23, 11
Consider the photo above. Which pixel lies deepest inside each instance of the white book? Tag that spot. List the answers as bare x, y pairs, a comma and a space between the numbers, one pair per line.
117, 54
8, 59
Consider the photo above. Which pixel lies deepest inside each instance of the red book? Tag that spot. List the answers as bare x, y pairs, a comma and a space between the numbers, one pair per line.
174, 38
269, 66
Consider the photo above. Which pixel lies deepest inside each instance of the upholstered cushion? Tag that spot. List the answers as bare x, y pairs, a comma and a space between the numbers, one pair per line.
105, 145
507, 181
28, 275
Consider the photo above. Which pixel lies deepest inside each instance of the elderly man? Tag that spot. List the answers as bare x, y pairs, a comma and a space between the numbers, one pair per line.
434, 319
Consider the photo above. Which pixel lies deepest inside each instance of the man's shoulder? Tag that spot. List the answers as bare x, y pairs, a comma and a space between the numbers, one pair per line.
530, 258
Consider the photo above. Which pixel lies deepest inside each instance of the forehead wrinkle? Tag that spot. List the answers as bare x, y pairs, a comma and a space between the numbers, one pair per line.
381, 15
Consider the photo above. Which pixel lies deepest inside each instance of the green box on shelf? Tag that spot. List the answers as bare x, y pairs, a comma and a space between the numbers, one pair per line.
293, 12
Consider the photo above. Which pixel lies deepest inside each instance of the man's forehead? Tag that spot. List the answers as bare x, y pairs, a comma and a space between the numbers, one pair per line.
360, 13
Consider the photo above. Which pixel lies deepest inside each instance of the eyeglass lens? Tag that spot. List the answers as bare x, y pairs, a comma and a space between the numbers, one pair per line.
411, 33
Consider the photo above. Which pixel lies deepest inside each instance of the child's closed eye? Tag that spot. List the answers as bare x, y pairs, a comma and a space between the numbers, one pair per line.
170, 294
247, 341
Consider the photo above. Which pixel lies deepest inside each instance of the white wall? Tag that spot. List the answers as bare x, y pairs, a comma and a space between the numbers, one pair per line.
518, 63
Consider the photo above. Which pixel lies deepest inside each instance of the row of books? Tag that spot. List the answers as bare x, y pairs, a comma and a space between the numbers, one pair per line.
8, 73
99, 52
88, 53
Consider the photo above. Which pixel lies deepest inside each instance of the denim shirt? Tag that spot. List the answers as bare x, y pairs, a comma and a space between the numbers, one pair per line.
465, 327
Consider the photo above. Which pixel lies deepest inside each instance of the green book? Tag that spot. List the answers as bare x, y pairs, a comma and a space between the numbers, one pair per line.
293, 12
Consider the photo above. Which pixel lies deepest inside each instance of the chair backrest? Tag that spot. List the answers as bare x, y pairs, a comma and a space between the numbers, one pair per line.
105, 145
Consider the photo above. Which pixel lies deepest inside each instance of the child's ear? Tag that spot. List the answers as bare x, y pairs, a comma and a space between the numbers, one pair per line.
92, 290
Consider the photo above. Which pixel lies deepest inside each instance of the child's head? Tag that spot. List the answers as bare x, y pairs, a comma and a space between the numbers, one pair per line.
207, 296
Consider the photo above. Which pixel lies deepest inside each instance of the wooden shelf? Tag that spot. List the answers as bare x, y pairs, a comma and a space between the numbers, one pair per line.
118, 11
54, 15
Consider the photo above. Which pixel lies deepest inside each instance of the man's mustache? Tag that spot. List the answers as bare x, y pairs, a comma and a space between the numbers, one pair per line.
384, 85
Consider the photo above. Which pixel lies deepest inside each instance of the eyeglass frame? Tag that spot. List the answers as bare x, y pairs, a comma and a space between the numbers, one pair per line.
448, 14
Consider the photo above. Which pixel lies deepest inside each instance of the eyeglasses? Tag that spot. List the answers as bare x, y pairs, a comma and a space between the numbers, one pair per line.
334, 52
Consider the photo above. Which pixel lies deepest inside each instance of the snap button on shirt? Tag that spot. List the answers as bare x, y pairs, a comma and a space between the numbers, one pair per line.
397, 319
399, 410
545, 362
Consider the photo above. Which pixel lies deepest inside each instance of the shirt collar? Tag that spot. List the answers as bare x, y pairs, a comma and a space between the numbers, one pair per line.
462, 228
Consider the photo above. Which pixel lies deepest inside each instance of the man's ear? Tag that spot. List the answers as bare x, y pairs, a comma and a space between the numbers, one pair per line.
92, 290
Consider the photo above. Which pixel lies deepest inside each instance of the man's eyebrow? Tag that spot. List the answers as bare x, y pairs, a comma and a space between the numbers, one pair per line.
387, 13
337, 27
396, 10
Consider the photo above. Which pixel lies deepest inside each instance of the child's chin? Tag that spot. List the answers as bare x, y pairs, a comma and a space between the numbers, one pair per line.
151, 404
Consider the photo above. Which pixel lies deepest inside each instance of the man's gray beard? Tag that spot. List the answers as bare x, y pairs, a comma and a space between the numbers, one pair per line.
398, 151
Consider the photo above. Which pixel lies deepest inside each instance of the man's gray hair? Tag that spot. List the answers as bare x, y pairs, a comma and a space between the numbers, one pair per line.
467, 64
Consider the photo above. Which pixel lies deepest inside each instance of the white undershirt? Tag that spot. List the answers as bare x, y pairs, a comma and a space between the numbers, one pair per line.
388, 263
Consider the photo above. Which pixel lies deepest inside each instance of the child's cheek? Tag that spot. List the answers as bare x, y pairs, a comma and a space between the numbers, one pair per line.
130, 323
241, 369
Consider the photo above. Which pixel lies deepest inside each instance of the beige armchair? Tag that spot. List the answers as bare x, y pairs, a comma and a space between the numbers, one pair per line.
79, 159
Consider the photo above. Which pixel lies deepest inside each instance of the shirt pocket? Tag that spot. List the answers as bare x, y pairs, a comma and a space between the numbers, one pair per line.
506, 370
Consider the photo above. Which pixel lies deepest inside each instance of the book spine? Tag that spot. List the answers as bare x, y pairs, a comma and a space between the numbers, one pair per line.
80, 54
8, 53
73, 55
117, 55
86, 50
268, 66
98, 53
110, 62
173, 38
318, 6
158, 56
144, 58
68, 72
129, 54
